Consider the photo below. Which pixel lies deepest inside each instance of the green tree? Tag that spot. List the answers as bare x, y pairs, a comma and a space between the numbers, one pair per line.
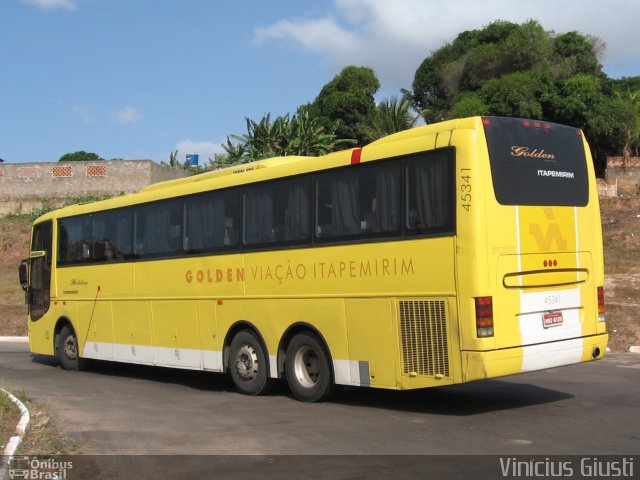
469, 104
173, 159
302, 134
80, 156
574, 53
628, 104
394, 115
309, 137
348, 99
513, 95
524, 71
264, 138
234, 153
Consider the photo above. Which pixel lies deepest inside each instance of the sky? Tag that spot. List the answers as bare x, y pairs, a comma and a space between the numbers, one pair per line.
138, 79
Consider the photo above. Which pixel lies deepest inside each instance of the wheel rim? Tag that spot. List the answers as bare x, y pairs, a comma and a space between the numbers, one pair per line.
71, 348
247, 363
306, 366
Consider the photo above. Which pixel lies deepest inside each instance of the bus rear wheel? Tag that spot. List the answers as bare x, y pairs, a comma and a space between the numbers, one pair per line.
248, 364
67, 349
307, 368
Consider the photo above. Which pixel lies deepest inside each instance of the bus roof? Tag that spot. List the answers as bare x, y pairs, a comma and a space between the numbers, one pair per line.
471, 123
234, 169
209, 180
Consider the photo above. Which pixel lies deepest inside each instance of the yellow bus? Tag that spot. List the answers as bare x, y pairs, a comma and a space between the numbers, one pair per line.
458, 251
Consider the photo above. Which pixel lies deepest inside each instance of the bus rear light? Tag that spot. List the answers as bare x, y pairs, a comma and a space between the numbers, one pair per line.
484, 316
538, 125
526, 124
486, 121
601, 312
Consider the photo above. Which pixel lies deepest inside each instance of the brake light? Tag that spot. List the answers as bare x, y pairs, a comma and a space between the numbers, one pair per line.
545, 126
484, 317
601, 314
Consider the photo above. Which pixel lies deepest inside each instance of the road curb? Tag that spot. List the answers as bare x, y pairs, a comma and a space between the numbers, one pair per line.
21, 429
14, 339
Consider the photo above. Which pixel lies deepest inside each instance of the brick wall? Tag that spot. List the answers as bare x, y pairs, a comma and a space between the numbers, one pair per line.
24, 186
624, 180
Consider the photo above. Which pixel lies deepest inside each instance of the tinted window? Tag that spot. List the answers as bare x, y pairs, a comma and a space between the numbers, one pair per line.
277, 212
538, 164
159, 229
401, 197
112, 235
75, 240
40, 277
359, 201
430, 204
213, 221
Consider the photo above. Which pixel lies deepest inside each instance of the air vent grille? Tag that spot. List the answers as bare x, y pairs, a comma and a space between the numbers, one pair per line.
423, 331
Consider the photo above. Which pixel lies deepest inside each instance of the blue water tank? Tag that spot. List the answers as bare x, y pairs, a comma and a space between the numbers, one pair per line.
192, 159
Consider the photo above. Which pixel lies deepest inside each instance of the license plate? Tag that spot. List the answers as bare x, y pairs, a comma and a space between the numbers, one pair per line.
553, 319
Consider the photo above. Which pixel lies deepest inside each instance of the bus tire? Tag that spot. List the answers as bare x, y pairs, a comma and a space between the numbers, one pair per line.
308, 369
248, 364
68, 350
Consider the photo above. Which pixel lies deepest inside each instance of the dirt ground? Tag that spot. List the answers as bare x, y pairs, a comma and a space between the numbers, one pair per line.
14, 246
621, 231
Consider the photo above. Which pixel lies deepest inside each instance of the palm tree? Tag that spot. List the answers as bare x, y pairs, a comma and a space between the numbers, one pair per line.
234, 153
394, 115
264, 138
302, 134
629, 121
173, 159
309, 137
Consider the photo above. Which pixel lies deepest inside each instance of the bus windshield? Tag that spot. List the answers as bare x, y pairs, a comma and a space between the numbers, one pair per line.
536, 163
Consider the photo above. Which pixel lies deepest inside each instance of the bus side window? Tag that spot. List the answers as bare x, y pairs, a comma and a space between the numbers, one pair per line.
277, 212
359, 200
159, 228
212, 220
74, 240
430, 204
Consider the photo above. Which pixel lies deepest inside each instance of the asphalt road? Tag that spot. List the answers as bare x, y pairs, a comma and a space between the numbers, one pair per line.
117, 409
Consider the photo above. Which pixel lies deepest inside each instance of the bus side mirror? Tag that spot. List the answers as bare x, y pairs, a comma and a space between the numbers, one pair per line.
23, 274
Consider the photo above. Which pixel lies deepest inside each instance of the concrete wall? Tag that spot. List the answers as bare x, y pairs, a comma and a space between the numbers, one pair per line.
623, 177
24, 186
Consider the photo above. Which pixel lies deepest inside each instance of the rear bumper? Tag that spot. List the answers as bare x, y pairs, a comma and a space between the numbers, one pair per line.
511, 361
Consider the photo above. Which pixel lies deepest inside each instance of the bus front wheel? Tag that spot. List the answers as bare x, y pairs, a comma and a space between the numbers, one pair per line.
248, 364
307, 368
67, 349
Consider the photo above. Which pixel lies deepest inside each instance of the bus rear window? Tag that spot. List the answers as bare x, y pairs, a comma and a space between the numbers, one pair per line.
536, 163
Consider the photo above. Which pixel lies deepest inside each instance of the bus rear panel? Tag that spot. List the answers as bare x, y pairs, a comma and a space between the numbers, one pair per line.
543, 305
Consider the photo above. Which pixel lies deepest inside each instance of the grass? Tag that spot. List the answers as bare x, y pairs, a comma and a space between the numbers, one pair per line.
42, 436
9, 418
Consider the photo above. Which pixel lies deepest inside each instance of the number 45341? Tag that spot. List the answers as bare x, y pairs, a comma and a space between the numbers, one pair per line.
465, 188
